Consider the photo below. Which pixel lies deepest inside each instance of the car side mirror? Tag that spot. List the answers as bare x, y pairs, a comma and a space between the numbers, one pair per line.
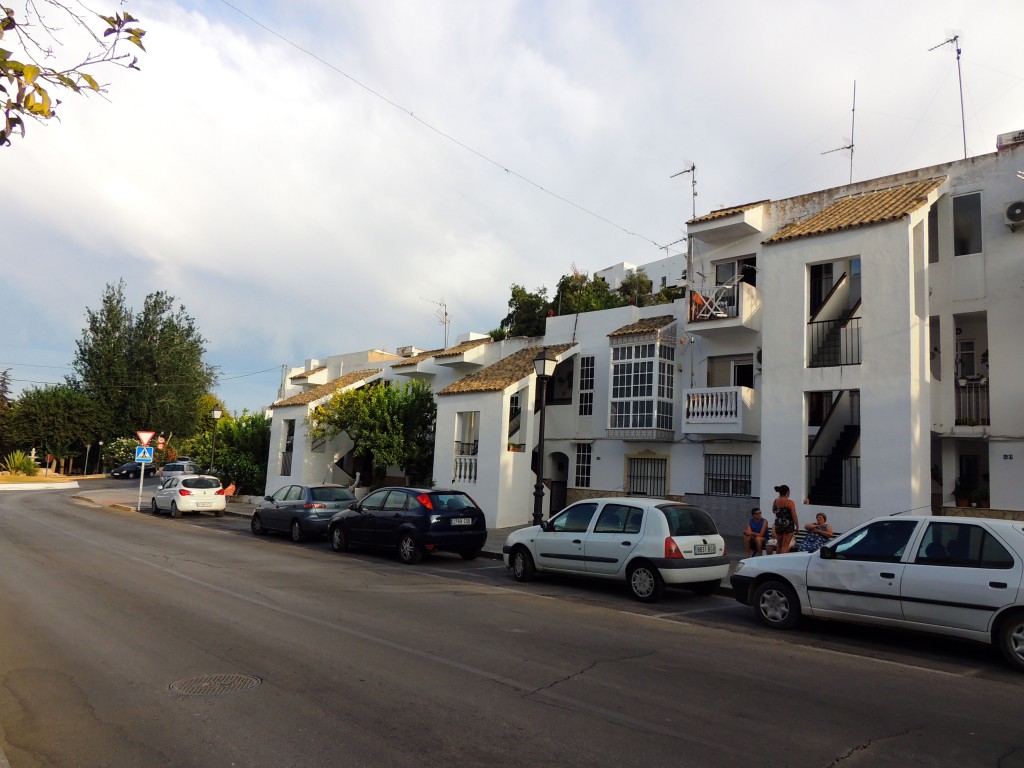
827, 553
354, 505
545, 525
268, 498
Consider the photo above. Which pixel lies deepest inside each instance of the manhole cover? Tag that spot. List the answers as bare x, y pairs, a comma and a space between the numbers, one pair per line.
211, 685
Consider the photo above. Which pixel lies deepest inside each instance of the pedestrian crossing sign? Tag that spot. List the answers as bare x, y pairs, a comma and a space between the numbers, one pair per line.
144, 454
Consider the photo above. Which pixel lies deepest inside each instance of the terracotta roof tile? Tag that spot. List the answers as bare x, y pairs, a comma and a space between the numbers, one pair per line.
647, 325
463, 347
307, 374
324, 390
724, 212
863, 210
416, 358
505, 372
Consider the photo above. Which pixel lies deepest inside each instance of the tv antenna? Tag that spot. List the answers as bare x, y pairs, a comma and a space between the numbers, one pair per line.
955, 42
442, 316
692, 170
853, 124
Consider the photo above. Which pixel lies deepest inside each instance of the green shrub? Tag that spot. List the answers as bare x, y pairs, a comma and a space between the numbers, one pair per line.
20, 463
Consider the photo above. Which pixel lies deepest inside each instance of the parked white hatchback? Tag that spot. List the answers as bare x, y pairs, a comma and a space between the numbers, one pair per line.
647, 543
957, 576
190, 493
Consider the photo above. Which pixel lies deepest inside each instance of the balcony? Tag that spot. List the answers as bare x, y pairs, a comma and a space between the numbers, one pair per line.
725, 309
734, 411
972, 408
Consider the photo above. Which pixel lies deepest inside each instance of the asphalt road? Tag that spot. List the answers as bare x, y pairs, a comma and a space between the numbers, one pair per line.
112, 621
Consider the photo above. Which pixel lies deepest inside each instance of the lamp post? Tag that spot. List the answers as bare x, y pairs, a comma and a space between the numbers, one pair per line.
544, 364
216, 413
101, 457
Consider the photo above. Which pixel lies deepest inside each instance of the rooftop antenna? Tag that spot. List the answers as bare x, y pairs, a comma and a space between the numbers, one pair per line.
442, 316
692, 170
853, 123
955, 42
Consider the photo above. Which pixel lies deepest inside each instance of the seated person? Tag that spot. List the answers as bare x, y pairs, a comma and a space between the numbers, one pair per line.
818, 533
756, 533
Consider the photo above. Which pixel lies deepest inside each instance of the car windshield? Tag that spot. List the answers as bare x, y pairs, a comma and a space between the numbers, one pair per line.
331, 494
688, 521
201, 482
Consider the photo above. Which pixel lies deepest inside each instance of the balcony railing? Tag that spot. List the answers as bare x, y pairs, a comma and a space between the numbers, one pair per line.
834, 480
722, 410
464, 469
834, 342
972, 403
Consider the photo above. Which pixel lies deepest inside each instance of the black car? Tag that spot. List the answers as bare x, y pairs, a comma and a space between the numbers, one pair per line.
133, 469
302, 510
414, 521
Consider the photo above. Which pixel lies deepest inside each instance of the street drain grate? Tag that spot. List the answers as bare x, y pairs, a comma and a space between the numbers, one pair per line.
211, 685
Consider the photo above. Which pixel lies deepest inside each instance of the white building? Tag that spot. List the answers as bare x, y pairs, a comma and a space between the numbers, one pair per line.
859, 344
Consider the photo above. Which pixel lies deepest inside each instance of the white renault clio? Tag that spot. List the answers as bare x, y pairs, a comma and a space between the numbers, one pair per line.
647, 543
958, 576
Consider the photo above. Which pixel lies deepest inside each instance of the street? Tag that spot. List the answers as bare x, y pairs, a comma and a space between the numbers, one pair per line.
357, 660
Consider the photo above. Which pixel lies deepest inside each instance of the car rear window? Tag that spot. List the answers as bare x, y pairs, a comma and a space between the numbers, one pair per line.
688, 521
332, 494
201, 482
453, 501
172, 468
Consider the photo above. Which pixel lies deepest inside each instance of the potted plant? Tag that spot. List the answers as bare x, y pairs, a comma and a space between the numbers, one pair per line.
961, 493
981, 498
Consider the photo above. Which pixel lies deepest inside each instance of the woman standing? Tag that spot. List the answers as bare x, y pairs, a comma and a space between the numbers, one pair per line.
786, 521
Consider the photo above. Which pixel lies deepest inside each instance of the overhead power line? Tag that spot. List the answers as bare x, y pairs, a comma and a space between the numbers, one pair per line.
437, 130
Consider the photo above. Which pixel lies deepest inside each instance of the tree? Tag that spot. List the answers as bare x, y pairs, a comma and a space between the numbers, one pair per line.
527, 313
393, 425
58, 418
26, 84
579, 293
146, 369
5, 405
243, 446
636, 288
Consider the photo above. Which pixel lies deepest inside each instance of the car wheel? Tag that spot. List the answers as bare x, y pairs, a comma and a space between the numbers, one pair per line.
175, 512
470, 554
776, 604
523, 568
256, 525
1010, 639
219, 512
339, 541
156, 509
645, 582
132, 475
705, 587
409, 552
297, 533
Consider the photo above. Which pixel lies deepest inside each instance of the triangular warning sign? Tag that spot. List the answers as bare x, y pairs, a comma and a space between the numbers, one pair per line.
145, 437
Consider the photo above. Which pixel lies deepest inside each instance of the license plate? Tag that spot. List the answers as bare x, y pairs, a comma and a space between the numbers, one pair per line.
462, 521
704, 549
204, 503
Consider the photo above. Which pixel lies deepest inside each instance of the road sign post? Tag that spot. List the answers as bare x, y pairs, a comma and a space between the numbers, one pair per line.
143, 456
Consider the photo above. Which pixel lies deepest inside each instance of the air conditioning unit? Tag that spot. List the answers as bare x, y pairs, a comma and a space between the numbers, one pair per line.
1015, 215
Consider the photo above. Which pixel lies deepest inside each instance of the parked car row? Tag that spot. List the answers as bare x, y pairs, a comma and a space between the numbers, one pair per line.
134, 469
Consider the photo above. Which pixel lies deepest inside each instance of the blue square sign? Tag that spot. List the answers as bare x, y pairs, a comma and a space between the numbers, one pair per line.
144, 454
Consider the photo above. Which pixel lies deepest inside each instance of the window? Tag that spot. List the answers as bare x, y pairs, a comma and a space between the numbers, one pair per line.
397, 500
614, 519
576, 519
584, 453
933, 234
664, 281
688, 521
726, 474
636, 403
375, 500
646, 477
965, 358
587, 385
962, 544
884, 541
515, 414
967, 224
467, 430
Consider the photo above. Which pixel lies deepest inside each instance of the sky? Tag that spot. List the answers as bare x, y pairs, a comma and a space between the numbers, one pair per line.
315, 178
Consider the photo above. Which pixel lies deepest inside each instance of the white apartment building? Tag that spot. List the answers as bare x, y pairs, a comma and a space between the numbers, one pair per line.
859, 344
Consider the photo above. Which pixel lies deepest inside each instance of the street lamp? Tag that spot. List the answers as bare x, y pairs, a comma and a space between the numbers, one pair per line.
101, 457
216, 413
544, 364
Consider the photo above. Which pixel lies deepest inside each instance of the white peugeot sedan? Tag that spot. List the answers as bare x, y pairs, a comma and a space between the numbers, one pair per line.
647, 543
190, 493
957, 576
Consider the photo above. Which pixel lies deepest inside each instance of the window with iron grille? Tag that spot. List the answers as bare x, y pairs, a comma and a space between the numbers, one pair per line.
647, 477
584, 451
726, 474
587, 385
